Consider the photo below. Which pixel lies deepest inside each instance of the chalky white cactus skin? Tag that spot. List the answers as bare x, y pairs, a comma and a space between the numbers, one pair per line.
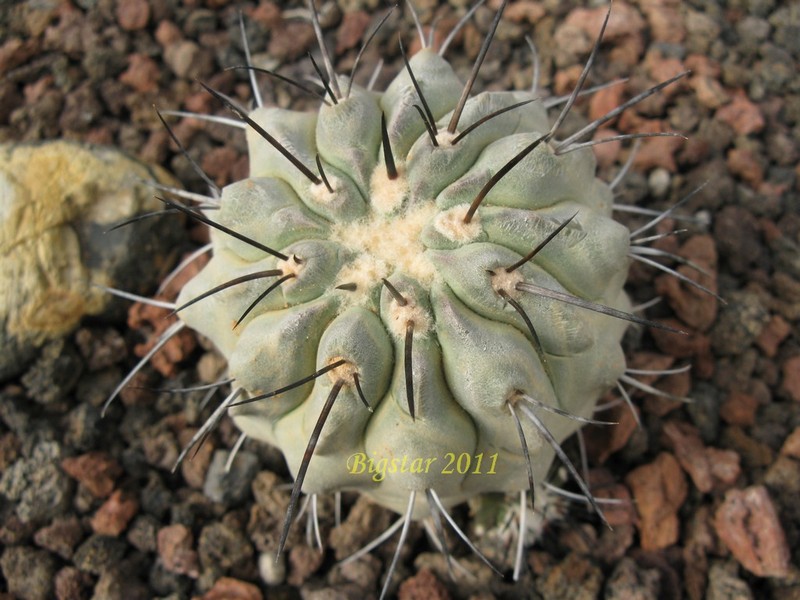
472, 352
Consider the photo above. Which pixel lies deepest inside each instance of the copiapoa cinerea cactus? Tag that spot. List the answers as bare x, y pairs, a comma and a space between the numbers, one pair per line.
419, 292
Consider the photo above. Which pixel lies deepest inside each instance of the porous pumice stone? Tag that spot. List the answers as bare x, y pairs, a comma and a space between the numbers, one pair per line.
471, 353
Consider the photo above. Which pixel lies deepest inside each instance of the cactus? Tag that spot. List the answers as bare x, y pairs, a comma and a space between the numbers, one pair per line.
419, 291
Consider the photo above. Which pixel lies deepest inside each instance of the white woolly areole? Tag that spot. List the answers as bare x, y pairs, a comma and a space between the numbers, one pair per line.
450, 223
386, 195
445, 139
399, 316
391, 240
290, 266
344, 372
320, 193
503, 280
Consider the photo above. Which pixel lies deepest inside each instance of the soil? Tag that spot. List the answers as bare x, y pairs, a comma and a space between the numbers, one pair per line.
709, 486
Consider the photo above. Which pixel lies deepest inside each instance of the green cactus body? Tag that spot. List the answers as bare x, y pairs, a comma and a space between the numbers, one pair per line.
446, 307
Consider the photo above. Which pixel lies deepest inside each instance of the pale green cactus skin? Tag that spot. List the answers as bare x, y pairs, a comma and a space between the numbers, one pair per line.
471, 350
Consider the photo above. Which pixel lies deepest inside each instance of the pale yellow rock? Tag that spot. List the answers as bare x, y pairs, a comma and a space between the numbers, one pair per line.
56, 199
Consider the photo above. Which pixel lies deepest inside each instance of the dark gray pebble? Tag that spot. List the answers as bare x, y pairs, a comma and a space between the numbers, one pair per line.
739, 323
28, 572
98, 553
222, 547
38, 486
232, 487
629, 581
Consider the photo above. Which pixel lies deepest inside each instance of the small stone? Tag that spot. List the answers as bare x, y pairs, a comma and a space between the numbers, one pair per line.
739, 322
155, 321
364, 573
783, 482
725, 466
351, 30
14, 531
133, 15
739, 408
744, 164
100, 348
97, 471
525, 11
267, 14
272, 572
666, 23
621, 514
602, 442
155, 497
571, 42
738, 238
565, 79
161, 450
117, 583
194, 471
115, 513
167, 33
753, 453
790, 386
218, 162
28, 572
142, 533
291, 41
606, 153
791, 446
658, 151
54, 374
685, 442
222, 547
709, 91
659, 489
175, 544
9, 450
748, 524
742, 115
61, 536
71, 584
693, 306
629, 581
99, 553
82, 107
659, 181
723, 584
422, 586
303, 562
233, 486
624, 21
36, 485
188, 60
699, 541
83, 424
575, 577
365, 521
227, 588
142, 73
15, 52
772, 335
661, 68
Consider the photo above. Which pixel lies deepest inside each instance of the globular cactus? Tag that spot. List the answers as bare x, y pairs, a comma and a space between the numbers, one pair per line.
419, 293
